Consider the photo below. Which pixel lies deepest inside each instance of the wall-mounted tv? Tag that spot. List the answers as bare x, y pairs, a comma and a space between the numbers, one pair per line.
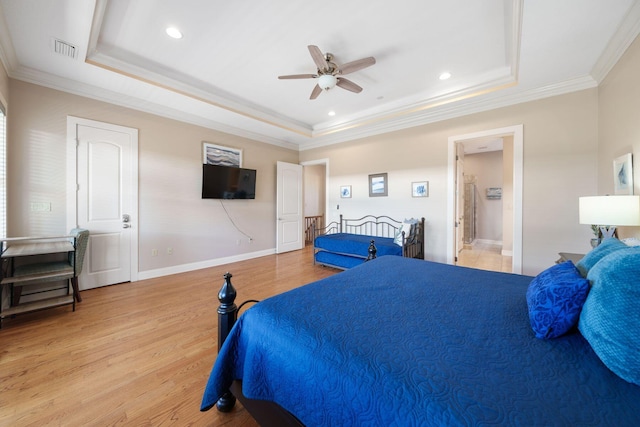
227, 182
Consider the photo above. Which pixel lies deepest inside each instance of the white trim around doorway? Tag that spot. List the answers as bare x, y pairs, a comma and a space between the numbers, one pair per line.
517, 132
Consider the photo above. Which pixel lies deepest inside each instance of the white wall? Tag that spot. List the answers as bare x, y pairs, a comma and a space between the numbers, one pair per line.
570, 142
560, 150
171, 210
619, 125
487, 168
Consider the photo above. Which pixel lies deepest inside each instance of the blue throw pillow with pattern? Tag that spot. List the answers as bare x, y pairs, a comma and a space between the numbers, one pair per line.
555, 298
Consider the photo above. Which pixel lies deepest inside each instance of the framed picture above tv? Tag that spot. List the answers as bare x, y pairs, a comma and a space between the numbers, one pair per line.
213, 154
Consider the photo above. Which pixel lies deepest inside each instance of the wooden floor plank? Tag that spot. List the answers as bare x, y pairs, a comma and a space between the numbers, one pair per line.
135, 353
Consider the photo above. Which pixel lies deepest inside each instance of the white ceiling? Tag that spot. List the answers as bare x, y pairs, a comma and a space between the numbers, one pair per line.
223, 73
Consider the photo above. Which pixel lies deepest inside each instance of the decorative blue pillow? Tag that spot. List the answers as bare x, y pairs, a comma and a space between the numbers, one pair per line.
610, 318
555, 298
596, 254
408, 226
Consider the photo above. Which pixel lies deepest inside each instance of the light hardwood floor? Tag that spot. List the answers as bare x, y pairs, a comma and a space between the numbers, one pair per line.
135, 354
139, 354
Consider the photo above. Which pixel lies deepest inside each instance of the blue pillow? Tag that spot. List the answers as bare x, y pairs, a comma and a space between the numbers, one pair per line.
610, 318
596, 254
555, 298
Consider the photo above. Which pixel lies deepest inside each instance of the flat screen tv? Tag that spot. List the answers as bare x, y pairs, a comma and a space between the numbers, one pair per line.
227, 182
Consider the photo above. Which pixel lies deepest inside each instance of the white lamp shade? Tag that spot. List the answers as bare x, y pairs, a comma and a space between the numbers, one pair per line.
327, 81
610, 210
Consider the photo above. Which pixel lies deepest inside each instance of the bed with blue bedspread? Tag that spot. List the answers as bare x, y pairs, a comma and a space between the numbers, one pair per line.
346, 244
404, 342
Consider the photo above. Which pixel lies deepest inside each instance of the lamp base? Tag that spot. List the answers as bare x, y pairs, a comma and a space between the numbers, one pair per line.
608, 231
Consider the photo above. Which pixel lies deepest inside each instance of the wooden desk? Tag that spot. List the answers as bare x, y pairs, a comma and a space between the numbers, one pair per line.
37, 248
20, 247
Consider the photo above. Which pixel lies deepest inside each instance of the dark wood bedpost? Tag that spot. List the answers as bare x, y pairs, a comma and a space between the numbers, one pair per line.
372, 251
227, 315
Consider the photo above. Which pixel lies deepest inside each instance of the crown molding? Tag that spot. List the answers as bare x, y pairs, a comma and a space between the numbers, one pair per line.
621, 40
453, 110
89, 91
7, 53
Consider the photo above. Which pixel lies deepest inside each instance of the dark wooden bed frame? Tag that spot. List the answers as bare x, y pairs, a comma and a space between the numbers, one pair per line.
377, 226
266, 413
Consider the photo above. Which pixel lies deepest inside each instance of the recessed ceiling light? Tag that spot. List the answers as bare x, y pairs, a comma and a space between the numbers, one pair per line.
174, 32
445, 76
332, 113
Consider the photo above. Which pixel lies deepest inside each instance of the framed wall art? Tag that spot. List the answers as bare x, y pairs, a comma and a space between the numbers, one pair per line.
420, 189
623, 174
345, 191
378, 185
213, 154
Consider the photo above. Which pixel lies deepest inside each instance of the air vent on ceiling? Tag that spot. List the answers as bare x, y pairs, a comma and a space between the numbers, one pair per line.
65, 49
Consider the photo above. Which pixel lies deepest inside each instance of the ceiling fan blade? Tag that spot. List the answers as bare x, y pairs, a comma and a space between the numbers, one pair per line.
318, 57
299, 76
348, 85
317, 90
352, 66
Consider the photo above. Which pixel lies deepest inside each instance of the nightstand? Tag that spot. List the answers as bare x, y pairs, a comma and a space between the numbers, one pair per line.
567, 256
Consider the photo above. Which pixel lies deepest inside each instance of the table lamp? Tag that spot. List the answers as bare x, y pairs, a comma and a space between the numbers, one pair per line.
608, 212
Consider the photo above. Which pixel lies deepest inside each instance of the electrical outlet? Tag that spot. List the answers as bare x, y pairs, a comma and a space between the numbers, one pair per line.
169, 251
154, 252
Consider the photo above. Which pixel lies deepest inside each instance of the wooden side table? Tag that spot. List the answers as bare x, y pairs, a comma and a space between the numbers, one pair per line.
568, 256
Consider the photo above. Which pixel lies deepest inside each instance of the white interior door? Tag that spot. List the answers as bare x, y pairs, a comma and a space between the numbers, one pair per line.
289, 215
459, 198
106, 201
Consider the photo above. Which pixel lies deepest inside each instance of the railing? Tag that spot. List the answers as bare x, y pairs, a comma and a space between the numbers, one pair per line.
311, 222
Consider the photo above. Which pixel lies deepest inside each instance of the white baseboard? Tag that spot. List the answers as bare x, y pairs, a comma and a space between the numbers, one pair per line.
488, 242
183, 268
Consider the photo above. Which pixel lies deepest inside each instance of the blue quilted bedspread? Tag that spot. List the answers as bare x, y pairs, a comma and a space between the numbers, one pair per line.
405, 342
357, 244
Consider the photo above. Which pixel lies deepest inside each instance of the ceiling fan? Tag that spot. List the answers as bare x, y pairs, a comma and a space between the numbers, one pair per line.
329, 74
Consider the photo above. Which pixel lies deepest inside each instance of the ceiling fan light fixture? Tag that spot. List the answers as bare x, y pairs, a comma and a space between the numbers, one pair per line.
327, 81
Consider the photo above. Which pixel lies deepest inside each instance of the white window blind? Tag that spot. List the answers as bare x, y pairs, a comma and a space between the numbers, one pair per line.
3, 172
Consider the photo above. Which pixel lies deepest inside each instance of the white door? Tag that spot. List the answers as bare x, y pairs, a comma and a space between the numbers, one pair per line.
290, 217
459, 198
106, 201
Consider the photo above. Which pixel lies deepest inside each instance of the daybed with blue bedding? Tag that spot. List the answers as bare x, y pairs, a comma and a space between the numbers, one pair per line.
345, 244
402, 342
